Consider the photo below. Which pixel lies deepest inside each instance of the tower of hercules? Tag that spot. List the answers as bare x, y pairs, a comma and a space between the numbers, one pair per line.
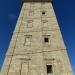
36, 47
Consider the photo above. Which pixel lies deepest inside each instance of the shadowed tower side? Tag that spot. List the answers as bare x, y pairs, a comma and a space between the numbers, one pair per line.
36, 47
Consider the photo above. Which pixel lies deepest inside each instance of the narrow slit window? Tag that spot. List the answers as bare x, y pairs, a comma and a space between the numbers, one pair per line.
49, 68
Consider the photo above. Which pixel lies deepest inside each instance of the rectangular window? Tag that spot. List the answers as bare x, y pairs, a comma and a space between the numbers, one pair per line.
28, 40
49, 68
46, 40
31, 13
30, 23
45, 23
32, 6
24, 68
43, 13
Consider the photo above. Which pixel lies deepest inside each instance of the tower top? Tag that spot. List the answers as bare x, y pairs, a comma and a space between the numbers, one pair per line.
37, 0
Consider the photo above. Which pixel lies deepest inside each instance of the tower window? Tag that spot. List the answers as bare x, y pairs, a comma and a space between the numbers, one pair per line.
32, 6
30, 23
31, 13
45, 23
27, 40
43, 13
46, 39
49, 68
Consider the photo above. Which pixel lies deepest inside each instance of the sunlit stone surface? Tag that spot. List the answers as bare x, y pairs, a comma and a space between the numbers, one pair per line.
36, 43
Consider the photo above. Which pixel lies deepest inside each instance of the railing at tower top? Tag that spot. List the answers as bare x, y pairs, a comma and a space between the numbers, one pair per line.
37, 0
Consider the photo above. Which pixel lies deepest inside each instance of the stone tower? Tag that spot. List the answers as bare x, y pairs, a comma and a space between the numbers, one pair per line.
36, 47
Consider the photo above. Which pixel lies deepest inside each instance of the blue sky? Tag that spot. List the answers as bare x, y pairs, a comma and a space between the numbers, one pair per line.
65, 13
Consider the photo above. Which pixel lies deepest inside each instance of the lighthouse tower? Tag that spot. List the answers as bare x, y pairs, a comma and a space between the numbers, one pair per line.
36, 47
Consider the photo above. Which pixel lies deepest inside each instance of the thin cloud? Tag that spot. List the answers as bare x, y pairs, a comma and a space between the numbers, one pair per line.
12, 16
